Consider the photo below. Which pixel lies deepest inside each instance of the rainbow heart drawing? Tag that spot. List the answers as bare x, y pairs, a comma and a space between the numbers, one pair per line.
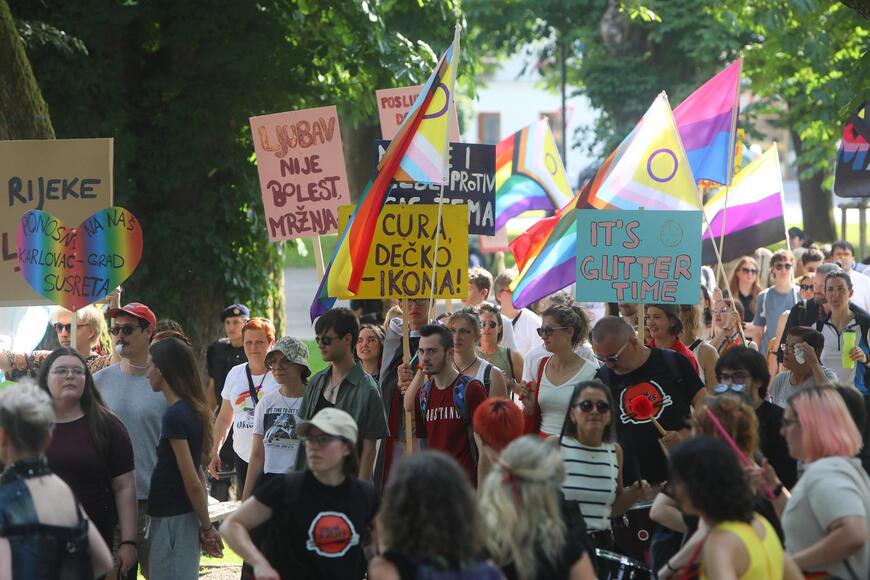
74, 267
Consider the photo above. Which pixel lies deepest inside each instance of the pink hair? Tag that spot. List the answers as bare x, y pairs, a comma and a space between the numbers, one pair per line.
827, 427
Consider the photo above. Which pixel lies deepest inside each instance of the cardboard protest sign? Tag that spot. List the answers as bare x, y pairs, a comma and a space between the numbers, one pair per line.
403, 249
497, 243
394, 104
302, 174
74, 267
638, 256
471, 182
71, 178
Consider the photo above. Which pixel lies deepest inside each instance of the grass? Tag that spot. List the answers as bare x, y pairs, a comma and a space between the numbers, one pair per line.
315, 363
230, 557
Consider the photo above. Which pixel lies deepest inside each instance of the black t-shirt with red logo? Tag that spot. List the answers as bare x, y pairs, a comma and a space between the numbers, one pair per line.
668, 381
318, 531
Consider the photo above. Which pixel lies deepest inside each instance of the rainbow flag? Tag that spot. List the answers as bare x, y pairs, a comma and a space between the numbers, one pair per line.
707, 121
403, 161
529, 173
649, 169
755, 216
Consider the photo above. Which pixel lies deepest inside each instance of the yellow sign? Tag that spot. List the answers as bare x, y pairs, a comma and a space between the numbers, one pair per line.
71, 178
403, 251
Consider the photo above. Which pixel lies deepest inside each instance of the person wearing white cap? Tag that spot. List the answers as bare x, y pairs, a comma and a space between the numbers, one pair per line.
319, 519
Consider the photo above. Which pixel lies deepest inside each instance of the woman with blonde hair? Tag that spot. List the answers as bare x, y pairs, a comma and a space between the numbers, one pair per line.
745, 286
465, 327
705, 354
525, 532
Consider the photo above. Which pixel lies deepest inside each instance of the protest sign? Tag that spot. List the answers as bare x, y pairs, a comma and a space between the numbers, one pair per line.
497, 243
71, 178
302, 174
402, 252
639, 256
74, 267
394, 104
471, 182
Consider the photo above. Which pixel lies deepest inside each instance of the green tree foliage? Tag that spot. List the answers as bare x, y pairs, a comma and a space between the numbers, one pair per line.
175, 82
807, 62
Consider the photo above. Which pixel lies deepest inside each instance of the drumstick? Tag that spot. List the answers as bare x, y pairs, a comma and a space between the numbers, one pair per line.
740, 455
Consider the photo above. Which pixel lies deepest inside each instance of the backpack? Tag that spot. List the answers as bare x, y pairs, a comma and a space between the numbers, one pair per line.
459, 403
486, 374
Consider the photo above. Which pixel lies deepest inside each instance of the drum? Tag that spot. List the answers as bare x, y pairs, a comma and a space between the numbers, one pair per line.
612, 566
633, 531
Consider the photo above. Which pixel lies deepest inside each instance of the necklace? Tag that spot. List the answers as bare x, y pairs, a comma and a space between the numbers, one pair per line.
462, 372
26, 469
135, 366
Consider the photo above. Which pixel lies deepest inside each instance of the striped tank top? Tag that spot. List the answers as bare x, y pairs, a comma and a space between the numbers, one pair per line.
590, 479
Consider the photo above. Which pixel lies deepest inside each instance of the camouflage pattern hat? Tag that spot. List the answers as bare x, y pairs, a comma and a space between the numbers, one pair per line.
295, 350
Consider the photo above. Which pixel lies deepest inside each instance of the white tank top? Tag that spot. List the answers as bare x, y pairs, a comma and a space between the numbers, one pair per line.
481, 372
554, 400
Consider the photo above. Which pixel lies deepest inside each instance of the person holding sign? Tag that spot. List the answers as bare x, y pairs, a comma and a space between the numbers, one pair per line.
654, 390
547, 399
664, 325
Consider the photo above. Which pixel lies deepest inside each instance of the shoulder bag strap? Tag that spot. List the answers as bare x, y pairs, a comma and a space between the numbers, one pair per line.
251, 388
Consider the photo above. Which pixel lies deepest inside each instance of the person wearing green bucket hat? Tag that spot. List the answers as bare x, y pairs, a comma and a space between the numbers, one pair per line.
276, 443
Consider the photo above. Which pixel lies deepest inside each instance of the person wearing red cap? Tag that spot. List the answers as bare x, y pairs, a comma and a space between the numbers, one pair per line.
127, 392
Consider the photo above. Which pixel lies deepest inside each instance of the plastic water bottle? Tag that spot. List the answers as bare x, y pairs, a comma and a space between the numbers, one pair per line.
848, 345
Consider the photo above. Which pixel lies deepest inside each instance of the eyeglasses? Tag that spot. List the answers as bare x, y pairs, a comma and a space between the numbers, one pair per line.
490, 324
587, 405
60, 327
419, 302
320, 440
733, 378
325, 340
808, 287
613, 358
76, 372
782, 266
752, 271
127, 329
549, 330
721, 388
277, 363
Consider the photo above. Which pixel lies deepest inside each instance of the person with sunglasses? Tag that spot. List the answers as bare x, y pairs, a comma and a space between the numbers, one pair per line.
125, 389
345, 385
593, 462
276, 443
743, 372
775, 300
90, 331
508, 360
246, 384
547, 398
319, 520
745, 286
666, 379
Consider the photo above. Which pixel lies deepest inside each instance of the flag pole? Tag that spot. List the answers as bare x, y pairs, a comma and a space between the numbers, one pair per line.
729, 169
318, 257
73, 331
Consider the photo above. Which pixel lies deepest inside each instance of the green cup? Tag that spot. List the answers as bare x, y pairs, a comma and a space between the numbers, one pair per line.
848, 345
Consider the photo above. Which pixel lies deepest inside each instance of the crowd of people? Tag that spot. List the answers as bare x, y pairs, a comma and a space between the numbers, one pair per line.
726, 437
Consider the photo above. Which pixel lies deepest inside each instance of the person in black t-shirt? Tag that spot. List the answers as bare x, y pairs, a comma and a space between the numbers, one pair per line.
177, 503
320, 519
222, 355
665, 379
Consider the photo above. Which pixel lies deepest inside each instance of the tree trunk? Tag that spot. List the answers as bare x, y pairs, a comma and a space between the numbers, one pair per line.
816, 202
23, 112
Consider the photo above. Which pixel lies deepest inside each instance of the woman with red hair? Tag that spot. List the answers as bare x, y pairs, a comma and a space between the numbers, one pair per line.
497, 421
827, 516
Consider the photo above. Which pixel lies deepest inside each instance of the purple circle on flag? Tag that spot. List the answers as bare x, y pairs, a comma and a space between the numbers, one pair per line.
649, 162
443, 110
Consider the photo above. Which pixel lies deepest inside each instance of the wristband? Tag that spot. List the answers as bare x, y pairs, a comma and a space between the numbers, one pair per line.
127, 543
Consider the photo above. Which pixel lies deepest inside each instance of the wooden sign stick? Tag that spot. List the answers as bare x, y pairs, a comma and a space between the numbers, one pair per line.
73, 331
406, 358
641, 322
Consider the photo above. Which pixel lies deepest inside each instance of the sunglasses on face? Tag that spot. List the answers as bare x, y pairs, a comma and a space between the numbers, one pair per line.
490, 324
807, 287
613, 358
783, 266
126, 329
752, 271
549, 330
586, 406
325, 340
320, 440
60, 327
